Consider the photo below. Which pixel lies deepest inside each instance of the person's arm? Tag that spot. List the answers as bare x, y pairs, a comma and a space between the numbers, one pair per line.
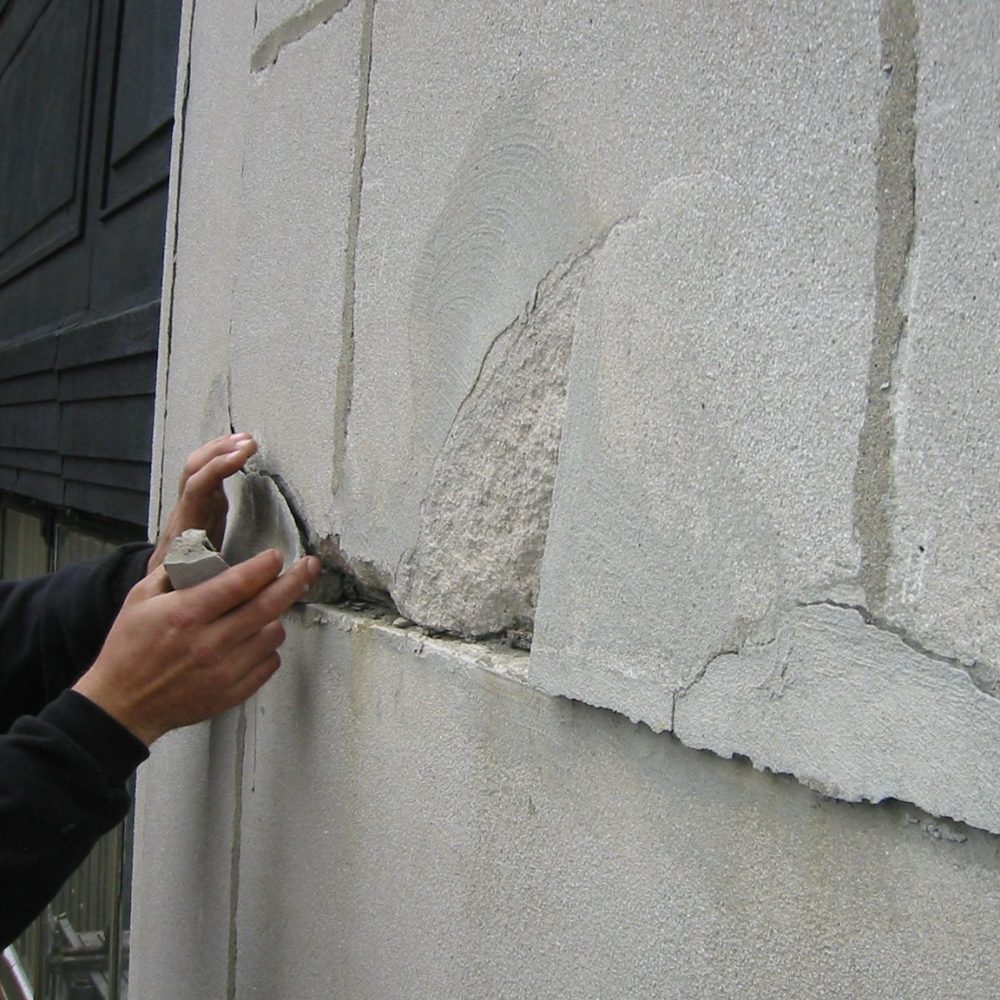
171, 659
62, 786
52, 627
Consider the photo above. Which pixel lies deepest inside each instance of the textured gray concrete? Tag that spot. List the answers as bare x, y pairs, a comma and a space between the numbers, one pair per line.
191, 560
416, 825
663, 332
290, 284
945, 538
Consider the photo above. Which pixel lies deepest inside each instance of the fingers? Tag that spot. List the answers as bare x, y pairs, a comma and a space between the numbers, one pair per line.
274, 599
255, 678
235, 586
208, 478
155, 583
229, 447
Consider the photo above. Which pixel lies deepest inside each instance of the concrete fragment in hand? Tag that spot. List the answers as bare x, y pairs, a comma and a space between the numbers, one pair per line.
192, 559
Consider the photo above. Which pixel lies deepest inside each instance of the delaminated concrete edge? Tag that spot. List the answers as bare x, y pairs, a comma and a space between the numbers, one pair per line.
511, 665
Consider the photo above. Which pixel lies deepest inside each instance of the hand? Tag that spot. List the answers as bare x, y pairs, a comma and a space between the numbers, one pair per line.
173, 658
201, 500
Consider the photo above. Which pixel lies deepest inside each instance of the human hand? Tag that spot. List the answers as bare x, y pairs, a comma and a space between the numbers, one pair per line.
201, 500
173, 658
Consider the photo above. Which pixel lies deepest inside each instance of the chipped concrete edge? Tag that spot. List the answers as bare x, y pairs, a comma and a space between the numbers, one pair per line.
407, 637
511, 665
267, 51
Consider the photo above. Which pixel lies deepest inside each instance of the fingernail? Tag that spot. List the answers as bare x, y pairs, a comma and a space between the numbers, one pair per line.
313, 565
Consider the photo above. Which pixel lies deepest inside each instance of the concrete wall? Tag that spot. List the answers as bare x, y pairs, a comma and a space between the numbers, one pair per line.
658, 339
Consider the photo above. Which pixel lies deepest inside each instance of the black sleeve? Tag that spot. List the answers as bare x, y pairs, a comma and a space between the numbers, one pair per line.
62, 785
64, 762
52, 627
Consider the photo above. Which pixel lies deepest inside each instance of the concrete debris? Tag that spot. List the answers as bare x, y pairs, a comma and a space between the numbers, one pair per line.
192, 559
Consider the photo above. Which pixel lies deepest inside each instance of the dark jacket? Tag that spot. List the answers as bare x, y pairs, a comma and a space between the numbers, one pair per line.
63, 761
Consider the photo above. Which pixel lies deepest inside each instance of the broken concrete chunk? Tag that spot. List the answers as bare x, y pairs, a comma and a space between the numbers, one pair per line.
192, 559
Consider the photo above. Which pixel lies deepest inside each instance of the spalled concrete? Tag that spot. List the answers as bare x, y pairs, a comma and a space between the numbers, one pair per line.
854, 712
475, 566
659, 336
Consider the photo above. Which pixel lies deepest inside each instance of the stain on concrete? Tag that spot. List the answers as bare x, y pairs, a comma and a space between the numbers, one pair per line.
895, 197
513, 211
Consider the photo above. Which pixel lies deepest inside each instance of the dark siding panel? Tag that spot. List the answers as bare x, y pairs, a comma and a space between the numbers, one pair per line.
45, 94
138, 146
118, 336
36, 485
108, 428
128, 250
28, 388
26, 359
34, 426
128, 377
125, 505
84, 194
101, 472
35, 461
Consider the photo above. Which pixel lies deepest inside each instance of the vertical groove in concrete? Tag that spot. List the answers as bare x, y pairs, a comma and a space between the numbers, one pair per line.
895, 197
170, 261
345, 366
234, 858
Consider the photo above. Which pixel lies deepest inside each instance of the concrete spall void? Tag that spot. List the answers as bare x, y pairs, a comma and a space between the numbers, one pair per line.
657, 338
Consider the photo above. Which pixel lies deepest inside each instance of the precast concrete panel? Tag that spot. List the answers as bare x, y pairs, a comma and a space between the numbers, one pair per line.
298, 168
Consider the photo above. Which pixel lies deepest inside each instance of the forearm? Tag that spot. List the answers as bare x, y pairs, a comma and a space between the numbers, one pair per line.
52, 627
62, 786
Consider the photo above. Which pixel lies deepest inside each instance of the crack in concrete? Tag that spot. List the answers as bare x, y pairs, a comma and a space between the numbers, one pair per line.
557, 274
327, 550
345, 364
293, 30
983, 675
895, 196
735, 649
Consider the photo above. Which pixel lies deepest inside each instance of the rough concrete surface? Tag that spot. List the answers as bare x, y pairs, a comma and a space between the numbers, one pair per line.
204, 224
474, 568
290, 283
433, 829
666, 329
945, 539
185, 811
